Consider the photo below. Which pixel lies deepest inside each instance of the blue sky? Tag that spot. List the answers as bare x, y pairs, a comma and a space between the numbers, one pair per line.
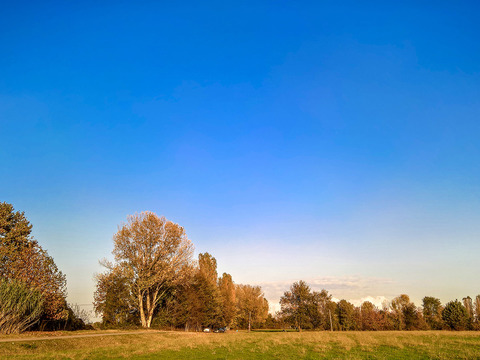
332, 142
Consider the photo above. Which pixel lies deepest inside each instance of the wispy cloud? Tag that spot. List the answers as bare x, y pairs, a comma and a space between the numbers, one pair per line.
378, 301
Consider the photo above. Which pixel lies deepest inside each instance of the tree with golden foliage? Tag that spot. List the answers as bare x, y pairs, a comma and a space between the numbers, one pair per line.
252, 307
201, 300
207, 267
227, 293
398, 306
151, 253
207, 292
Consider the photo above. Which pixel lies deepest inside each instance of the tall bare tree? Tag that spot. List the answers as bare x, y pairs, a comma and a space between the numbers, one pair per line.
151, 252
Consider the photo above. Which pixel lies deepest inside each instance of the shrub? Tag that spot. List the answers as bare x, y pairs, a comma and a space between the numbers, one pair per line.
20, 306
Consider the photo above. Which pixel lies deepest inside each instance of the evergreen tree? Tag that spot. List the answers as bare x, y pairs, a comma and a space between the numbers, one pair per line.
455, 315
346, 315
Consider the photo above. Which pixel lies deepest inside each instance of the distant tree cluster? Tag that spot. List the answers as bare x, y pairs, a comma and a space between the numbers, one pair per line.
302, 308
154, 281
32, 288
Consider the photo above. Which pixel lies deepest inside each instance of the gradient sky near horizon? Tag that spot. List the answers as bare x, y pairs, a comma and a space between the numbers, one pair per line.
335, 142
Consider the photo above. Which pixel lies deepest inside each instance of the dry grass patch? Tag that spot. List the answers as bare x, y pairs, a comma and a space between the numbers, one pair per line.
255, 345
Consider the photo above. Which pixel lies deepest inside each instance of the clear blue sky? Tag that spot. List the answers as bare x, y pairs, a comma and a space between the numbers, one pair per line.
335, 142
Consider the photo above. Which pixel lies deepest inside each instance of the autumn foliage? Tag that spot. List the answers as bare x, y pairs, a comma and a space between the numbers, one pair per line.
154, 280
22, 259
302, 308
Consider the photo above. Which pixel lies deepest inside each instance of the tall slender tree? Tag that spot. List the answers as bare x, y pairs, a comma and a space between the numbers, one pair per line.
398, 306
468, 304
207, 292
346, 315
227, 293
432, 312
477, 311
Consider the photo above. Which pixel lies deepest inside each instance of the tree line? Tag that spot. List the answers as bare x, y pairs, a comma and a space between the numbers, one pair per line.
302, 308
154, 281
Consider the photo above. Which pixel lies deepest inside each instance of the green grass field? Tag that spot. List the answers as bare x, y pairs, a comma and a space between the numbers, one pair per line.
255, 345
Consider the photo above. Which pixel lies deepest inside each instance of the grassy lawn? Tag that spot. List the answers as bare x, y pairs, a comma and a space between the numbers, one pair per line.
255, 345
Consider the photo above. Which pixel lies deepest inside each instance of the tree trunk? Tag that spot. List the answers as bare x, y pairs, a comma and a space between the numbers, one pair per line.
249, 321
331, 325
151, 304
298, 325
150, 316
142, 311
